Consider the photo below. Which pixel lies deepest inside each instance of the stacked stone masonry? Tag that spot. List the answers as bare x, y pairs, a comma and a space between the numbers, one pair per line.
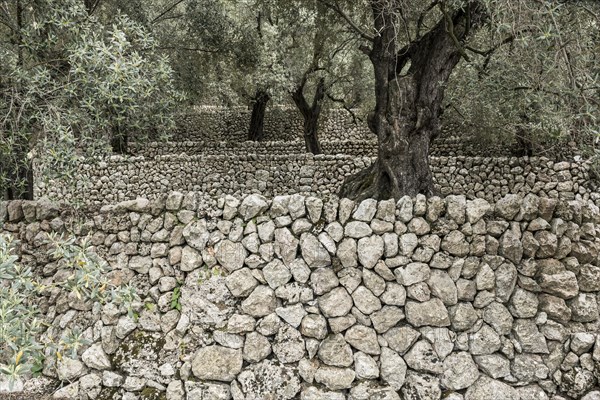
285, 124
365, 148
299, 297
125, 178
281, 124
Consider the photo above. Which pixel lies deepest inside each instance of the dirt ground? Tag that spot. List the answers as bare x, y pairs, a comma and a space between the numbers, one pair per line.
25, 396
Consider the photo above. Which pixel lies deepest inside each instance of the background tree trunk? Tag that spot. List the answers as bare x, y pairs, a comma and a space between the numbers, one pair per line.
119, 141
408, 106
310, 114
256, 132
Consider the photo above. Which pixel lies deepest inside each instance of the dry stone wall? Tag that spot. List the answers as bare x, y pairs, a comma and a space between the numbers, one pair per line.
285, 124
125, 178
281, 124
296, 297
366, 148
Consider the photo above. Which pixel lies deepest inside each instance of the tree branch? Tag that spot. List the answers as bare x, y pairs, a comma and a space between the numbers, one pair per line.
353, 25
346, 107
422, 18
165, 12
450, 31
182, 48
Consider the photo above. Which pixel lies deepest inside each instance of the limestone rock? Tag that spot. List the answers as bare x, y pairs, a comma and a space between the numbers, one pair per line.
523, 304
365, 366
69, 369
429, 313
484, 341
357, 230
370, 250
196, 234
322, 280
423, 358
190, 259
230, 255
508, 206
562, 284
460, 371
476, 209
363, 338
401, 339
286, 245
392, 368
207, 390
276, 274
252, 206
314, 325
289, 346
335, 378
487, 388
267, 379
95, 357
336, 303
456, 244
443, 287
421, 386
530, 338
313, 251
256, 347
386, 318
217, 363
261, 302
494, 365
365, 300
241, 282
335, 351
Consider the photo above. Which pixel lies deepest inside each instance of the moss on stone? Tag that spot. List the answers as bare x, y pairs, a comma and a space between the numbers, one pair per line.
133, 344
149, 393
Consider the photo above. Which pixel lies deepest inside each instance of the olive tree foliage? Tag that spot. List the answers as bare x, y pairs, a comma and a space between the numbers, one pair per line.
26, 342
71, 86
533, 78
422, 50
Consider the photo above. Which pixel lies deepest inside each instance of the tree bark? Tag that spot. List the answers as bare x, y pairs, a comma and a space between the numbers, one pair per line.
256, 132
119, 141
408, 105
310, 114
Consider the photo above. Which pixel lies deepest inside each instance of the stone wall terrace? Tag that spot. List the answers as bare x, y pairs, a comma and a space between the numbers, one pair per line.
299, 297
123, 178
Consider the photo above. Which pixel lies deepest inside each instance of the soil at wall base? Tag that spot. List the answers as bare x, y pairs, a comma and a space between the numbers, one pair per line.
25, 396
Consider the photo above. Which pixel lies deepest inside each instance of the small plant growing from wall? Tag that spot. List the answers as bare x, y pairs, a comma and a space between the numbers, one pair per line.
21, 321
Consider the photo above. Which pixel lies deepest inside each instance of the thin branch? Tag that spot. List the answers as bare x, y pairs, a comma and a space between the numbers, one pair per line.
183, 48
353, 25
346, 107
165, 12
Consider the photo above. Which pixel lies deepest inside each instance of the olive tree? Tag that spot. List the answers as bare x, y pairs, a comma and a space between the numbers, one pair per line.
415, 47
72, 86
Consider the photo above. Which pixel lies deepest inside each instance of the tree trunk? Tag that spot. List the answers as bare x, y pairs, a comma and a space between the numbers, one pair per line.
257, 121
408, 106
119, 141
310, 114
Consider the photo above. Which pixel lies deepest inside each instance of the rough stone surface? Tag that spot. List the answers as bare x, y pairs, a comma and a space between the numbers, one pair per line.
434, 298
217, 363
429, 313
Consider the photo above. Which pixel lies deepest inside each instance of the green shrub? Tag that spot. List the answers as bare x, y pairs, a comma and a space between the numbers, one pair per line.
20, 320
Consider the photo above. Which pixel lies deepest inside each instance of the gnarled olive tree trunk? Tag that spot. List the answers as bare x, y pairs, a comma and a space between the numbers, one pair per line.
311, 114
256, 132
409, 89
